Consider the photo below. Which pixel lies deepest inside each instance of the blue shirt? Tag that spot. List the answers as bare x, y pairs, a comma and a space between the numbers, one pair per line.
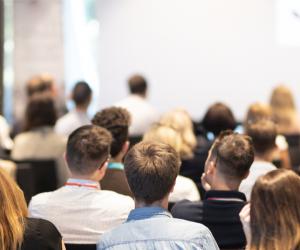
154, 228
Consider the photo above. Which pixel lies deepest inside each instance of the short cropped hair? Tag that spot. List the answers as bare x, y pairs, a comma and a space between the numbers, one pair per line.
39, 84
151, 169
137, 85
88, 148
263, 134
40, 111
116, 120
218, 118
234, 154
81, 93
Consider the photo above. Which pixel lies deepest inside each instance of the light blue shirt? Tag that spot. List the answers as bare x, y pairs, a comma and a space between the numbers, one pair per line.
154, 228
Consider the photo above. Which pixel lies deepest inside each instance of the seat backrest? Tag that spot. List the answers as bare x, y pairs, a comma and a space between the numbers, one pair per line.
43, 176
81, 247
25, 180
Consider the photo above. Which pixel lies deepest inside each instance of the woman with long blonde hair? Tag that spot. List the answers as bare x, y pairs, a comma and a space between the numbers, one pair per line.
272, 220
16, 230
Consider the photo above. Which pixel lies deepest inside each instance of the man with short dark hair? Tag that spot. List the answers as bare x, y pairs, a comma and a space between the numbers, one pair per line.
151, 169
116, 121
263, 134
82, 96
228, 163
81, 210
142, 113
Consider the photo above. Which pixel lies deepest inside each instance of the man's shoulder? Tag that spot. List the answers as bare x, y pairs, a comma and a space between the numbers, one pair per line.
187, 209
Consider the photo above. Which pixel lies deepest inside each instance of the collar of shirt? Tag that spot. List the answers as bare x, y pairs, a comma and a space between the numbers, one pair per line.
222, 195
82, 183
147, 212
116, 165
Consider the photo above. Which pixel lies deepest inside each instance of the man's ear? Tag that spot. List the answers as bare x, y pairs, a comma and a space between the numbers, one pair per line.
246, 175
102, 169
172, 189
211, 167
125, 147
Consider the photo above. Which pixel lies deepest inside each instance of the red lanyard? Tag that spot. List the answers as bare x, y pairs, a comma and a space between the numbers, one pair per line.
81, 185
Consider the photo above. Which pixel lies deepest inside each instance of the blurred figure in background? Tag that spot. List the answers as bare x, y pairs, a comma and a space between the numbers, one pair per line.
263, 134
82, 96
272, 220
142, 113
284, 111
260, 111
184, 187
39, 141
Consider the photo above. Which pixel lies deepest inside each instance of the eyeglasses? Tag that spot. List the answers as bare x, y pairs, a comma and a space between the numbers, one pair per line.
106, 160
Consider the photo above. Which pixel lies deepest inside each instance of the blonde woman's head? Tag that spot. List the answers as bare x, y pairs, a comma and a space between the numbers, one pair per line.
13, 211
164, 134
180, 120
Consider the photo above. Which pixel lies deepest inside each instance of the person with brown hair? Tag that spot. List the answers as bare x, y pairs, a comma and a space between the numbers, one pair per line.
17, 231
81, 96
272, 220
184, 187
142, 113
39, 140
116, 121
151, 169
80, 209
228, 163
263, 134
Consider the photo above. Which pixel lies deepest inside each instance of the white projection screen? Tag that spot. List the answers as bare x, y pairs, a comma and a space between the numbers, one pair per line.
195, 52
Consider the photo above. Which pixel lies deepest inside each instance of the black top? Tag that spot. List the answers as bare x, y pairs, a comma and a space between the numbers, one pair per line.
41, 235
219, 211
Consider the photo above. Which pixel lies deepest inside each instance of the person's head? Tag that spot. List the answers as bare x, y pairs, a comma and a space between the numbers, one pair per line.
258, 111
218, 118
40, 84
180, 120
137, 85
282, 98
263, 134
229, 158
164, 134
82, 95
275, 211
151, 169
13, 212
284, 109
87, 152
40, 111
116, 121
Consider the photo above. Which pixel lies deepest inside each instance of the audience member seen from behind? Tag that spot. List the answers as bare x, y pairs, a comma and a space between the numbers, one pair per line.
151, 169
116, 121
143, 114
82, 96
228, 163
284, 111
184, 187
260, 111
81, 210
218, 118
18, 231
263, 134
272, 220
39, 141
192, 157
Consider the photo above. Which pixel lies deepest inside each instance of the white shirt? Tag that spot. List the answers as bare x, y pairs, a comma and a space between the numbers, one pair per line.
71, 121
257, 169
5, 141
81, 213
142, 114
184, 189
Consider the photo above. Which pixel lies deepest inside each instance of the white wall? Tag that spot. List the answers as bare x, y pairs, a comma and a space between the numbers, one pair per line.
194, 52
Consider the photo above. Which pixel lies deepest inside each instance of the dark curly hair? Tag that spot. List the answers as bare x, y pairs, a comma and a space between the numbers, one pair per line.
116, 121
